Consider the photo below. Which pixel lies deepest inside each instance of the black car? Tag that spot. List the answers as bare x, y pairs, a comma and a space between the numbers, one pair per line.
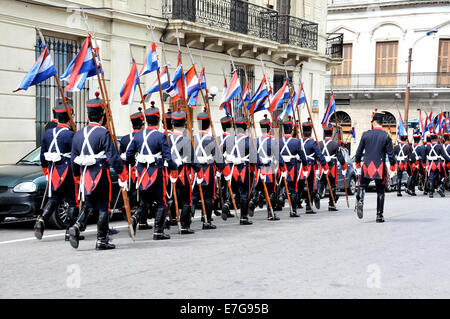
22, 188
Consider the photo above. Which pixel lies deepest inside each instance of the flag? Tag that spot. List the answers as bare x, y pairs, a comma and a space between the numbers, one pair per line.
129, 87
192, 82
164, 78
233, 89
151, 62
202, 79
421, 122
227, 105
299, 98
80, 68
286, 111
400, 127
202, 85
279, 97
178, 82
331, 108
245, 96
257, 102
42, 69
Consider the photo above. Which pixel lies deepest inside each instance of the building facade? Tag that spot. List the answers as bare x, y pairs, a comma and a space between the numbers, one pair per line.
282, 32
377, 39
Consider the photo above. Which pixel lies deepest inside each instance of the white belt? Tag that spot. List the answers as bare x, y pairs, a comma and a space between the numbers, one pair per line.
329, 158
401, 158
123, 156
149, 158
205, 159
89, 160
434, 158
266, 160
55, 157
288, 158
231, 159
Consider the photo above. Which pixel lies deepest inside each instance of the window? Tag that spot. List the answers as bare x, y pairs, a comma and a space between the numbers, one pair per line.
62, 51
386, 64
444, 63
342, 74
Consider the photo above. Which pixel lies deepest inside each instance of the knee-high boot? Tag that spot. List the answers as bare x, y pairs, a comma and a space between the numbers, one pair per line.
380, 208
39, 226
102, 232
160, 221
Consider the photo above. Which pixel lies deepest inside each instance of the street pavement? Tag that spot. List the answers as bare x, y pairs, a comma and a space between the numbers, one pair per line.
328, 255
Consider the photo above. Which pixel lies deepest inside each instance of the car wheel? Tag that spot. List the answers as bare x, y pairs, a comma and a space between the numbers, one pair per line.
57, 220
352, 186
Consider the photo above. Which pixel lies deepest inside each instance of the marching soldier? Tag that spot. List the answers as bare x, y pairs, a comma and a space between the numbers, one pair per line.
241, 171
436, 158
138, 124
403, 153
172, 221
332, 153
204, 156
293, 156
93, 153
183, 155
416, 167
53, 122
446, 148
149, 149
55, 161
374, 145
269, 163
226, 143
312, 154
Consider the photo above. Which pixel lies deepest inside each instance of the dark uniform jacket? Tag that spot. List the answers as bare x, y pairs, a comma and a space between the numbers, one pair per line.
403, 155
293, 156
94, 157
152, 151
183, 155
435, 156
56, 152
313, 153
375, 145
332, 153
205, 151
269, 157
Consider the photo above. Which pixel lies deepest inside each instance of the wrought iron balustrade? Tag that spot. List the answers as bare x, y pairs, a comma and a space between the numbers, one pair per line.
335, 45
420, 80
233, 15
296, 31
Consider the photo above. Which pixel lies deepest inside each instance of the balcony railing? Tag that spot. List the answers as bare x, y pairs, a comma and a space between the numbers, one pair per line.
233, 15
296, 31
335, 45
387, 81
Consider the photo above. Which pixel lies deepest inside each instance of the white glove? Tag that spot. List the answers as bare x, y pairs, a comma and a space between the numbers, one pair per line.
173, 180
344, 172
263, 177
218, 174
283, 175
199, 180
228, 178
123, 185
325, 172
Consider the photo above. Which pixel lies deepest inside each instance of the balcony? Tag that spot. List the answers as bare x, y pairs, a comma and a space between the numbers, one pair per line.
335, 44
386, 82
297, 32
232, 15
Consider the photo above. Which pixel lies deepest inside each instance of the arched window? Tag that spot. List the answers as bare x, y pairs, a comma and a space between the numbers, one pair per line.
345, 122
390, 123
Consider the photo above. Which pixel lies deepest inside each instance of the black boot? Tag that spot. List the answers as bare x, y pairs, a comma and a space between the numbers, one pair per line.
160, 220
102, 232
271, 217
294, 200
380, 208
244, 212
225, 210
360, 203
39, 226
399, 185
260, 199
251, 207
316, 200
79, 226
140, 215
185, 220
143, 216
71, 218
208, 208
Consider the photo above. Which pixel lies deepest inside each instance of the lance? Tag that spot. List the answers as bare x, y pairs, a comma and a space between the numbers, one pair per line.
174, 185
206, 102
72, 124
278, 144
253, 131
109, 120
191, 133
291, 102
317, 141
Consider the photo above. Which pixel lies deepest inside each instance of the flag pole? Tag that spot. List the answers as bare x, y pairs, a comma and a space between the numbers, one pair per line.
174, 185
58, 83
183, 99
103, 91
317, 141
266, 192
205, 100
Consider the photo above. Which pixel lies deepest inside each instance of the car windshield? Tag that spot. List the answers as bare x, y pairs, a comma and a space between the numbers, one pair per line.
32, 158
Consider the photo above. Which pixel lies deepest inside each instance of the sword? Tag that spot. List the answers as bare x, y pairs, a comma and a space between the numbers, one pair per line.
45, 195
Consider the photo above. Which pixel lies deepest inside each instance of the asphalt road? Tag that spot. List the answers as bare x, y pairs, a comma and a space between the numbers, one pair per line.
328, 255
